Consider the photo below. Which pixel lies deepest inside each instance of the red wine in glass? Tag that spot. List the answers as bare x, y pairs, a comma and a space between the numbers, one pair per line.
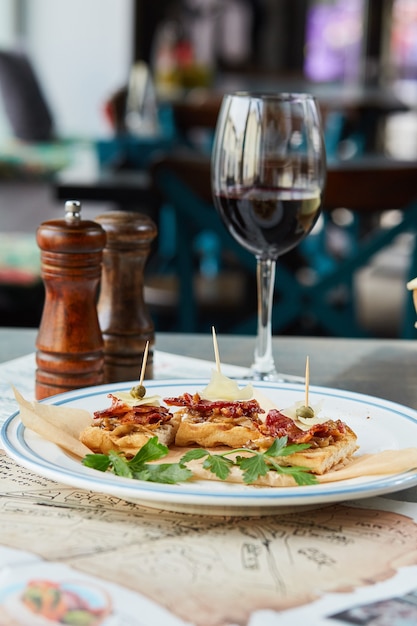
269, 222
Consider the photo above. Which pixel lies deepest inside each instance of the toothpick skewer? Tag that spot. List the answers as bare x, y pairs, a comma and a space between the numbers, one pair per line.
216, 349
307, 377
139, 391
306, 411
144, 360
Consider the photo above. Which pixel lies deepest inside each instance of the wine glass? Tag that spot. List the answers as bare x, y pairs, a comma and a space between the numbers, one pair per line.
268, 173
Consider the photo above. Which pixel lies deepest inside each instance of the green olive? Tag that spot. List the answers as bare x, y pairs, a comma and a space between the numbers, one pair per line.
305, 411
138, 392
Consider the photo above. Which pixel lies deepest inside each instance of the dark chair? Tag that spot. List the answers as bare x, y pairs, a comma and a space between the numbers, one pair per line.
183, 180
25, 103
368, 187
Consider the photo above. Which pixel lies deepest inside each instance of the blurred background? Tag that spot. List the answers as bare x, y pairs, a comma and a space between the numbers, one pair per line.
66, 80
82, 52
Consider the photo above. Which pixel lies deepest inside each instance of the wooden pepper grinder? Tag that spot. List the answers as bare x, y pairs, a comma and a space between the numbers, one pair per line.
69, 344
125, 321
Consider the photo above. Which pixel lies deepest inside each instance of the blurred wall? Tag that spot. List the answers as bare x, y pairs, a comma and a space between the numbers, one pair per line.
82, 51
7, 22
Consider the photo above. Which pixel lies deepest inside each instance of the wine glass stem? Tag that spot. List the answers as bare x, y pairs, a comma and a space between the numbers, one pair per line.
265, 275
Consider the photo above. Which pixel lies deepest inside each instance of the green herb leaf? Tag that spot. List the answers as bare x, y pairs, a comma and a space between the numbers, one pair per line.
301, 475
168, 473
295, 447
280, 447
277, 447
253, 467
151, 451
120, 465
99, 462
193, 454
304, 477
218, 465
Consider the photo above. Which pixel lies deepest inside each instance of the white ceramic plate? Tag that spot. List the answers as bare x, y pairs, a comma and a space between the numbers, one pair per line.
379, 424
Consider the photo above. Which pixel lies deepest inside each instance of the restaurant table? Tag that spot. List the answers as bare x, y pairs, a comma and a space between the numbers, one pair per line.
339, 563
129, 189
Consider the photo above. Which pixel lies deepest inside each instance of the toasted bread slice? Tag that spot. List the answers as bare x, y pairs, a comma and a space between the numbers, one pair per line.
321, 460
128, 438
211, 434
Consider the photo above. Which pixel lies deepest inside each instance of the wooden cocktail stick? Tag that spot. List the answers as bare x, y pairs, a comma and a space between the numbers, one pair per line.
306, 411
139, 391
307, 377
144, 361
216, 350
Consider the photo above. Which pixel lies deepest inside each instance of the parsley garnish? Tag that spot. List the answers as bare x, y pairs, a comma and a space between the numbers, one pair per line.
139, 467
256, 465
253, 465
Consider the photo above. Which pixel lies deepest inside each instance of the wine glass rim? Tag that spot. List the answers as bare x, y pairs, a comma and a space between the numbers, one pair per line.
272, 95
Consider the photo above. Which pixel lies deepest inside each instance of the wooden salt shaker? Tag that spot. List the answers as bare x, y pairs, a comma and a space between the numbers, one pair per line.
69, 344
125, 321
